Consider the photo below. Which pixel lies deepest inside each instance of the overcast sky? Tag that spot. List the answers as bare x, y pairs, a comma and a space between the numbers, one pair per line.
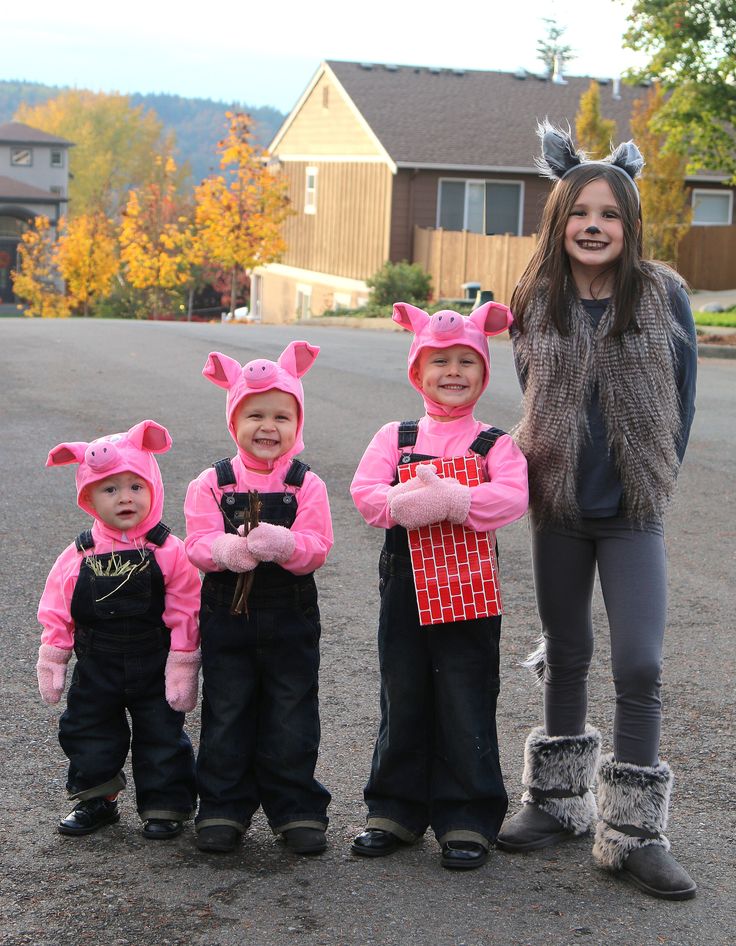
265, 53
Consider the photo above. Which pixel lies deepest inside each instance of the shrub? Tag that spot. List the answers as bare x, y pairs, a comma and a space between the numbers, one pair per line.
400, 282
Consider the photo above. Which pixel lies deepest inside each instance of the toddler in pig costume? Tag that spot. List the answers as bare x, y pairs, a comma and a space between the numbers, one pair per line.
264, 515
123, 597
435, 762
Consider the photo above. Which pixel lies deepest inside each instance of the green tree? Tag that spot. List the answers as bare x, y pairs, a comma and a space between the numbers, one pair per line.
400, 282
665, 201
593, 132
115, 145
550, 49
692, 50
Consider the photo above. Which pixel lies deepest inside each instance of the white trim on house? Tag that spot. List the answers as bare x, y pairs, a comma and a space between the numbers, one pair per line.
480, 168
333, 158
337, 282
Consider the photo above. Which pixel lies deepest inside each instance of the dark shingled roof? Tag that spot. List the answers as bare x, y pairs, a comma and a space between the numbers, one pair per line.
18, 133
10, 189
470, 118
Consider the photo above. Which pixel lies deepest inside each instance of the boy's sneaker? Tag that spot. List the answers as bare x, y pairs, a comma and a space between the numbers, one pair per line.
89, 816
305, 840
218, 837
161, 829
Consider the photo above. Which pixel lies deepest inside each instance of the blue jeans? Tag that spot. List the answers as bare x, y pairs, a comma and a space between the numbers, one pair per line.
260, 713
435, 761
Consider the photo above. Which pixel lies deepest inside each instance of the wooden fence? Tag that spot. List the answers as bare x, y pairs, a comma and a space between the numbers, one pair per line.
707, 260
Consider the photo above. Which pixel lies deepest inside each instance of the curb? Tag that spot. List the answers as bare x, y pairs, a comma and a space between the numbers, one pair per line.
716, 351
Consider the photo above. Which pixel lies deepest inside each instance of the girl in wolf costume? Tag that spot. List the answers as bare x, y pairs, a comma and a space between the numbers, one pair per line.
604, 344
124, 598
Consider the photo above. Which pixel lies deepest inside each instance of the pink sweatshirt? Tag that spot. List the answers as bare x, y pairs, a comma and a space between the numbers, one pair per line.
181, 583
503, 499
312, 528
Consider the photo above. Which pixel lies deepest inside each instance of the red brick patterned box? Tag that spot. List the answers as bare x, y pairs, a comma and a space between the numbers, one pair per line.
455, 568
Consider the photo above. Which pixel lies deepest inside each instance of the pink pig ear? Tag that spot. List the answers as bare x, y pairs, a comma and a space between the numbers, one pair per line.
410, 317
298, 357
148, 435
66, 453
222, 370
492, 318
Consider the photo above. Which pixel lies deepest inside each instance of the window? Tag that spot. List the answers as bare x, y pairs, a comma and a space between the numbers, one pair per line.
712, 208
303, 301
310, 192
488, 207
56, 190
57, 159
21, 157
325, 96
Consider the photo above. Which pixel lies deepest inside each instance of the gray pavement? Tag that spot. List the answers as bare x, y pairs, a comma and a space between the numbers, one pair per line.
67, 380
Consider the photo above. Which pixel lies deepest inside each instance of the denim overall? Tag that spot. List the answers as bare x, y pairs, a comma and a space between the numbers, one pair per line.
121, 645
435, 761
260, 709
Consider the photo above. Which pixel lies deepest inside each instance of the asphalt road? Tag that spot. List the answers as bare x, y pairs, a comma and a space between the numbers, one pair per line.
75, 380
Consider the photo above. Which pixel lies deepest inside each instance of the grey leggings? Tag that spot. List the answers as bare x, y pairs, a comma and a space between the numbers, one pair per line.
633, 576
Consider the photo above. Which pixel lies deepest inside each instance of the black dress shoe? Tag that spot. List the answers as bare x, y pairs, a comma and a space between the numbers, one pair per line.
375, 842
161, 829
222, 838
305, 840
88, 816
463, 855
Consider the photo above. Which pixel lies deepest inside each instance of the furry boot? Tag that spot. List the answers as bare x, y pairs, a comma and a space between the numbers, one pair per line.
558, 803
634, 803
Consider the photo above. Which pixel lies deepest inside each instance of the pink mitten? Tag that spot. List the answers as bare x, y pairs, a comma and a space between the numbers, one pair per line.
436, 499
51, 671
231, 552
181, 674
270, 543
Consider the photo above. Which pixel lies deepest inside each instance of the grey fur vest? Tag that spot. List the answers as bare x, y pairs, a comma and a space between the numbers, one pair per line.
635, 373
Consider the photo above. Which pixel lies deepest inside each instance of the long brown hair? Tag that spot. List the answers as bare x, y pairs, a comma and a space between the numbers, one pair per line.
549, 266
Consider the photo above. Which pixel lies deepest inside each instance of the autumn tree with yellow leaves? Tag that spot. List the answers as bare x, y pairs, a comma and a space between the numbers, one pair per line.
593, 132
86, 258
157, 241
37, 279
665, 201
240, 212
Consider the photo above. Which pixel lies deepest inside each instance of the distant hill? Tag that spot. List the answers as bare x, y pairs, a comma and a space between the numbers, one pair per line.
198, 124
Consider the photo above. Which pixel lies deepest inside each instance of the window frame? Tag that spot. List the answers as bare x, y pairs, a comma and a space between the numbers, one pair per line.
712, 192
484, 181
15, 151
310, 193
56, 164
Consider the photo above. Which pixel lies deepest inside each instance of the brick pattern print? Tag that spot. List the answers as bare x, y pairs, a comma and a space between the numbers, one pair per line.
455, 569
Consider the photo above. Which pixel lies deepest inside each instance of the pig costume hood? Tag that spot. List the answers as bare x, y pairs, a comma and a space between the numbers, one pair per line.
257, 377
130, 452
445, 329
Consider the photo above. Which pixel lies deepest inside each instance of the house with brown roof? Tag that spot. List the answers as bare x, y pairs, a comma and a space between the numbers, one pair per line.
375, 153
34, 181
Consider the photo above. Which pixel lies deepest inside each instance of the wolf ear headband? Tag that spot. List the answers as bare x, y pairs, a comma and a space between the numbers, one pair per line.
560, 157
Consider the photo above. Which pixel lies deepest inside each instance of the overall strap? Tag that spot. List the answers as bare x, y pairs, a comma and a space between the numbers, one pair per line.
158, 534
485, 440
84, 541
296, 473
408, 430
225, 472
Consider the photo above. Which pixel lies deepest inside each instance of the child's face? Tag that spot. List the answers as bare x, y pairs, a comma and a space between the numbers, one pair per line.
451, 376
266, 424
121, 501
594, 235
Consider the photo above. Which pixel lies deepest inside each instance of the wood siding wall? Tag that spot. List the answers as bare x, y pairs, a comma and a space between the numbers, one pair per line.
707, 257
452, 258
348, 235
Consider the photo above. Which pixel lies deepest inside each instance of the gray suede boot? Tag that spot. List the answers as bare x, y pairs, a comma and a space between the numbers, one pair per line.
634, 803
558, 803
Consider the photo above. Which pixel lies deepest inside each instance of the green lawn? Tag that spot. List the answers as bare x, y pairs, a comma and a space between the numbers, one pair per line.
727, 319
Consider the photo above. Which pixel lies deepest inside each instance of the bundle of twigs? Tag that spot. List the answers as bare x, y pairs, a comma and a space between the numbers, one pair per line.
245, 579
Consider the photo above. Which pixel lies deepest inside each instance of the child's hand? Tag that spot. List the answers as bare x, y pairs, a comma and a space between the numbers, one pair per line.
51, 672
231, 552
270, 543
181, 675
433, 499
